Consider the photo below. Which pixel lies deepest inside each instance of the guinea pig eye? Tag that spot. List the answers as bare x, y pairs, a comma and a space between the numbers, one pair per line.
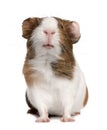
61, 26
38, 21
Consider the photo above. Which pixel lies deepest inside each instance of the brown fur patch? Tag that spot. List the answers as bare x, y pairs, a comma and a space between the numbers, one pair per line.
29, 25
86, 97
70, 29
30, 51
28, 69
29, 74
65, 66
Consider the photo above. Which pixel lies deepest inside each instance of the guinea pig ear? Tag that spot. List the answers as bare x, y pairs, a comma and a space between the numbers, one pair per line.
28, 26
73, 30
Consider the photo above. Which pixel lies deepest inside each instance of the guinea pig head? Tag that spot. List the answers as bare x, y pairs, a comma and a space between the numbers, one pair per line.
50, 34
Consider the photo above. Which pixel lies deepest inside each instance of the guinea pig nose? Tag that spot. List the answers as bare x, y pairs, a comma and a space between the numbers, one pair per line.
49, 32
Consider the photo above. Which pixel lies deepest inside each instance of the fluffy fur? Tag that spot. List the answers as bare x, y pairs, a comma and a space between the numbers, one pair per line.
55, 82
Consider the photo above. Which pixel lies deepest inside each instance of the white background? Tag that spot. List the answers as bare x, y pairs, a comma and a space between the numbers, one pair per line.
90, 52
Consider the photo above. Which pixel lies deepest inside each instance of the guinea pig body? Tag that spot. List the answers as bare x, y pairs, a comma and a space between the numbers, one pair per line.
55, 82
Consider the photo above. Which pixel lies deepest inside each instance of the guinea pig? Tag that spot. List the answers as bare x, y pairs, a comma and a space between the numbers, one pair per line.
55, 83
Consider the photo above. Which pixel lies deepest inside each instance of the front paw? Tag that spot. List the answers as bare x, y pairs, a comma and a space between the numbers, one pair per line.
43, 119
67, 119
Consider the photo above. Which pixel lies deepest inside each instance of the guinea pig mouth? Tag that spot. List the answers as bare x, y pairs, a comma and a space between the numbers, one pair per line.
49, 46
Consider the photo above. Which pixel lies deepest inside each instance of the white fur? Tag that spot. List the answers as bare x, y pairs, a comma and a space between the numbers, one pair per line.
51, 93
39, 38
55, 94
